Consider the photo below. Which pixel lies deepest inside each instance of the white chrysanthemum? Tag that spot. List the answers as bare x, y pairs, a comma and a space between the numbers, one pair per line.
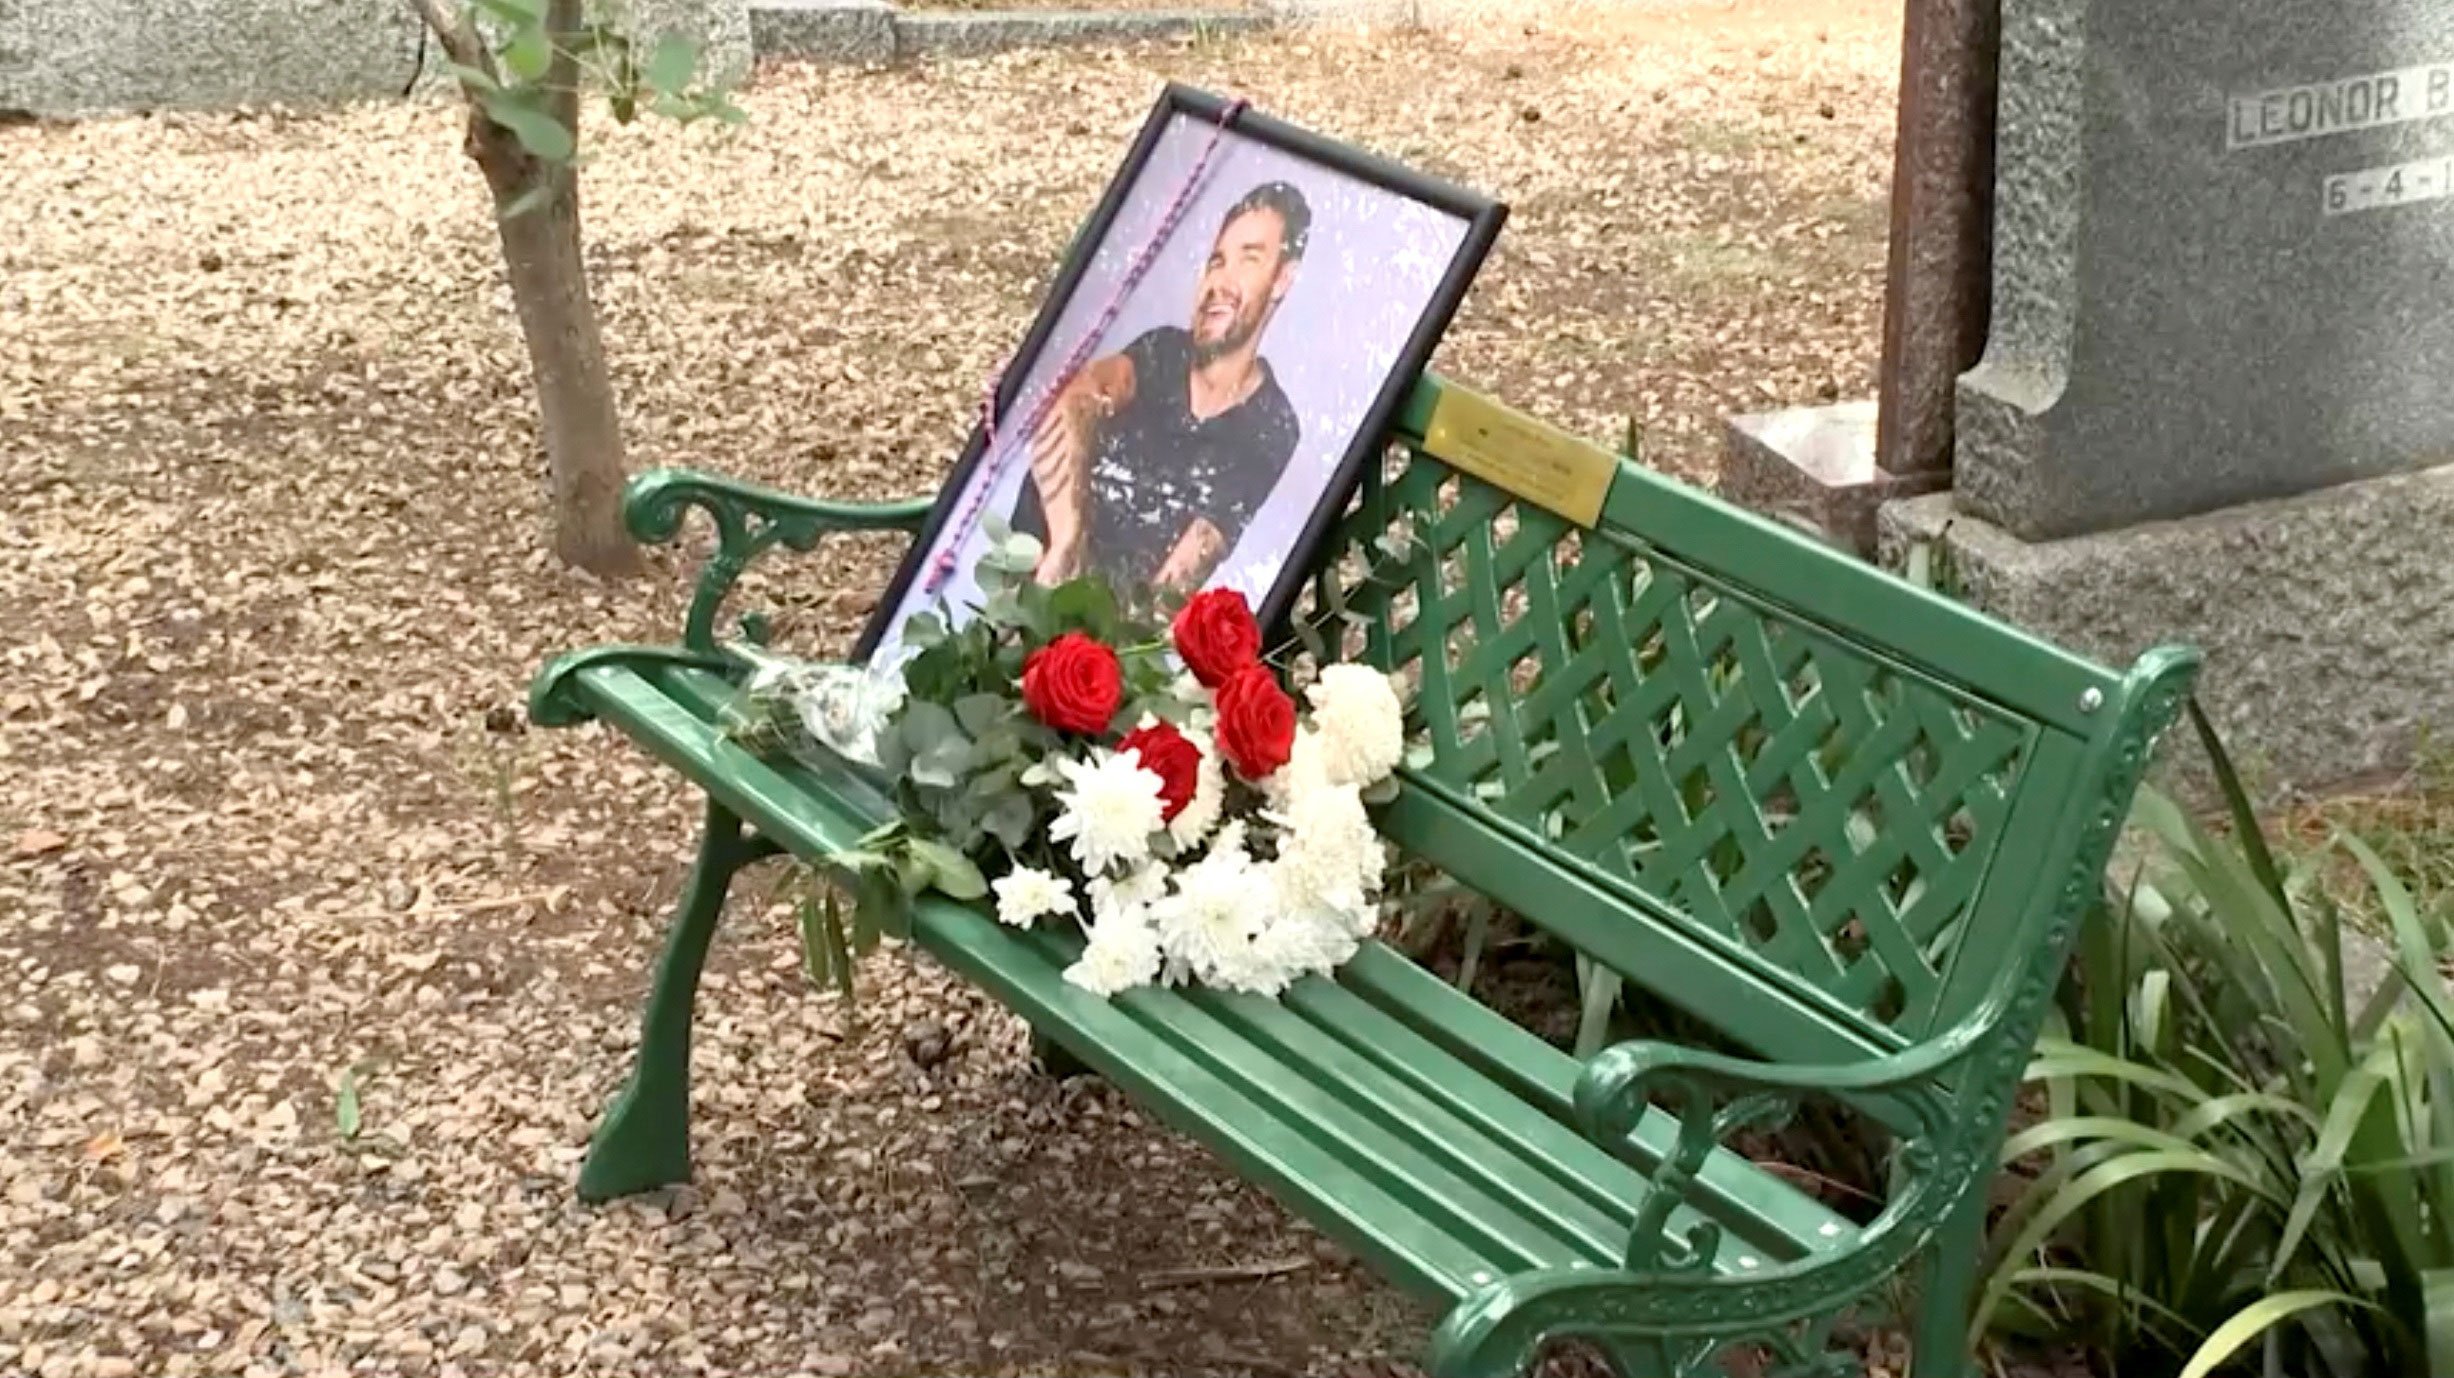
1026, 892
1231, 840
1194, 821
1110, 811
1123, 953
1304, 942
1146, 885
1329, 855
1360, 722
1307, 769
1207, 925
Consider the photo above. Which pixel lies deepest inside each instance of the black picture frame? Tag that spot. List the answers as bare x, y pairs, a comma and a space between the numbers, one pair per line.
1483, 218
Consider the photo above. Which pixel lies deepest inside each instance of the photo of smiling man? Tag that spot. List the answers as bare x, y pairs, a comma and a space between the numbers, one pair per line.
1208, 373
1152, 461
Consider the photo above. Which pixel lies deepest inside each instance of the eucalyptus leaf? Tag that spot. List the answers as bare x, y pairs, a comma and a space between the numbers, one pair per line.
473, 78
1005, 606
529, 53
977, 713
1009, 820
1023, 549
925, 723
942, 765
538, 132
671, 64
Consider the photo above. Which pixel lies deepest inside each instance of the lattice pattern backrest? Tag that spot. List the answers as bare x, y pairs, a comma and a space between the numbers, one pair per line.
1809, 806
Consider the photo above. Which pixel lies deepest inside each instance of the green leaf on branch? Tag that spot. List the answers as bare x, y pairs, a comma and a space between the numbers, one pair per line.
671, 64
538, 132
950, 870
473, 79
880, 897
837, 954
529, 53
808, 919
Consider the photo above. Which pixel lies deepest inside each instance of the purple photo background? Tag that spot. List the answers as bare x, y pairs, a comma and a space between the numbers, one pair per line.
1370, 269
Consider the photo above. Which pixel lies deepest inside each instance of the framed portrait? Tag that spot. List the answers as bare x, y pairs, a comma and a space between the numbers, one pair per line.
1218, 356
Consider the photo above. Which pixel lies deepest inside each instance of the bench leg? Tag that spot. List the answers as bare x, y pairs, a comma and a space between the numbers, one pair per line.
1942, 1349
644, 1141
1056, 1060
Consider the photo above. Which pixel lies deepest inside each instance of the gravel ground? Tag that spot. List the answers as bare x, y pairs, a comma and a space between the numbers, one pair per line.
270, 509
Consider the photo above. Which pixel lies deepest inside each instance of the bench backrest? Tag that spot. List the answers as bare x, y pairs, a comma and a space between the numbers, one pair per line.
1820, 808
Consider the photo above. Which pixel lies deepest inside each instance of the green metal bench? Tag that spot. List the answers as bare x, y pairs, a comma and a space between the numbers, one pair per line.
1848, 823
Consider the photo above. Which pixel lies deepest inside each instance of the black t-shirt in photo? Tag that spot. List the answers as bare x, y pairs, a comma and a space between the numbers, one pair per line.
1155, 467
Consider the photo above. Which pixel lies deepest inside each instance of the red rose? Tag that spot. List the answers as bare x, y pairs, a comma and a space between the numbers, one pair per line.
1170, 755
1073, 684
1256, 722
1216, 635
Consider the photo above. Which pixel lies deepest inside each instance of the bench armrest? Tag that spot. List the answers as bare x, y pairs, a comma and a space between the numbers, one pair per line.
749, 518
1716, 1096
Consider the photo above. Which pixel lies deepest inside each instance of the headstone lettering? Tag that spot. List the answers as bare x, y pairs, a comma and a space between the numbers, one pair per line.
2396, 184
2316, 110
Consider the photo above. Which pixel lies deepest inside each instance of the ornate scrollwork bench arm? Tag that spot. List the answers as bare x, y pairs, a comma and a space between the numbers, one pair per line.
749, 519
1668, 1309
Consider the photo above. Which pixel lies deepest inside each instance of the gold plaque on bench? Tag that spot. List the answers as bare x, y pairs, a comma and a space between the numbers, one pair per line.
1536, 461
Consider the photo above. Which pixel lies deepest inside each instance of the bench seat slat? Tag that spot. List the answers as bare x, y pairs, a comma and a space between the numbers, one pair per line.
1398, 1109
1523, 1089
1783, 1020
1517, 1229
1390, 1140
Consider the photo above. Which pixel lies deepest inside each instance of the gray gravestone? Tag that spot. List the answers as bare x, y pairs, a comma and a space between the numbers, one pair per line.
2216, 403
99, 57
94, 57
2224, 258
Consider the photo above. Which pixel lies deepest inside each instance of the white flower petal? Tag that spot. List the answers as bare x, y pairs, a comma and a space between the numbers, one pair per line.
1123, 952
1110, 811
1025, 893
1195, 820
1361, 724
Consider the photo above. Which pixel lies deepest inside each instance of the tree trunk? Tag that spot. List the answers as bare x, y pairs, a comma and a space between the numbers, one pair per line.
549, 287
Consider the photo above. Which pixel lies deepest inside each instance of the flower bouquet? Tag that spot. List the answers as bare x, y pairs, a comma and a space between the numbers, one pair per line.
1193, 823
